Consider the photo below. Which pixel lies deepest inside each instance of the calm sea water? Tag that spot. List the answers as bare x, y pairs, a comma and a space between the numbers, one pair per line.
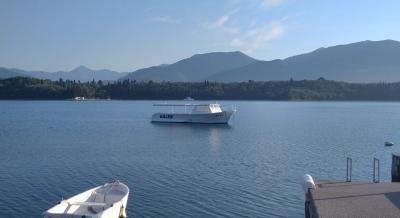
250, 168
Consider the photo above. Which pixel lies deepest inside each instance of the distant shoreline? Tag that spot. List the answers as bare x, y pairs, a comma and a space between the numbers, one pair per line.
23, 88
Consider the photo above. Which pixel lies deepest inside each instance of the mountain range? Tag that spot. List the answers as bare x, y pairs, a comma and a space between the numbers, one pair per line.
366, 61
196, 68
80, 73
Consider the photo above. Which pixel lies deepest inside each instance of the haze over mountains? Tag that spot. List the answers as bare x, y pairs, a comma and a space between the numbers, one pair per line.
366, 61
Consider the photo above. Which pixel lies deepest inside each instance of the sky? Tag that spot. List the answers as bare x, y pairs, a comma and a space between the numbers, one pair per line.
125, 35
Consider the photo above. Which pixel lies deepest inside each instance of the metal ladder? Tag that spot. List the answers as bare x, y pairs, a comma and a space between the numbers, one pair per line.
375, 172
376, 176
349, 169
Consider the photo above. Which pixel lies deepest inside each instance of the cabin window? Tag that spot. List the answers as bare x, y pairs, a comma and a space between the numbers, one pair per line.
167, 116
201, 109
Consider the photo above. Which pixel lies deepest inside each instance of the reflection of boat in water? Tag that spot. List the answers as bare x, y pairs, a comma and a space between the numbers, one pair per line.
188, 99
108, 200
200, 113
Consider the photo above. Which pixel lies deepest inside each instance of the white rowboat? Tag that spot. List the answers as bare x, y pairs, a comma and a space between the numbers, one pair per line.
106, 201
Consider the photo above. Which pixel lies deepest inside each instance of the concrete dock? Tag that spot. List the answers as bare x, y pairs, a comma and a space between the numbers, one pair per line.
353, 199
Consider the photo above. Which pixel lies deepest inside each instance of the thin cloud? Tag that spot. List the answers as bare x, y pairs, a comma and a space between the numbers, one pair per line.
258, 37
165, 19
271, 3
249, 38
221, 23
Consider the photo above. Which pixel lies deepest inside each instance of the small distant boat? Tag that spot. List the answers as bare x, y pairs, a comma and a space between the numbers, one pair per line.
79, 98
389, 143
106, 201
200, 113
188, 99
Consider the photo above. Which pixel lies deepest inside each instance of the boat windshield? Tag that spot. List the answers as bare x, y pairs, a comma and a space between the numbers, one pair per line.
212, 108
215, 108
200, 109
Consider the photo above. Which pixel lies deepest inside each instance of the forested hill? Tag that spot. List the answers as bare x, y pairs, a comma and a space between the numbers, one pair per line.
321, 89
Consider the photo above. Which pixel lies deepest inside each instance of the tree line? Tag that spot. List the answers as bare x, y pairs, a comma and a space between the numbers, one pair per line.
320, 89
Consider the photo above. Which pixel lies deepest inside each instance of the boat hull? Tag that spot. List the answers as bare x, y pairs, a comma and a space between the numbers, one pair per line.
217, 118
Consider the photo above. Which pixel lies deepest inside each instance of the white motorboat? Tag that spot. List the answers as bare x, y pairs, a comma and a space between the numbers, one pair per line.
79, 98
106, 201
199, 113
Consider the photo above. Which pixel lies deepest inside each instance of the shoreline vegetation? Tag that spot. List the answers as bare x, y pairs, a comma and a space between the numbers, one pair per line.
25, 88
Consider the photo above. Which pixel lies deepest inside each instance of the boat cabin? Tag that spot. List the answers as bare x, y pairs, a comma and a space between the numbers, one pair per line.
197, 108
206, 109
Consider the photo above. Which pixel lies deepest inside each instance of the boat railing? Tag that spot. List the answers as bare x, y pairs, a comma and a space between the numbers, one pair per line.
180, 105
185, 106
86, 203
